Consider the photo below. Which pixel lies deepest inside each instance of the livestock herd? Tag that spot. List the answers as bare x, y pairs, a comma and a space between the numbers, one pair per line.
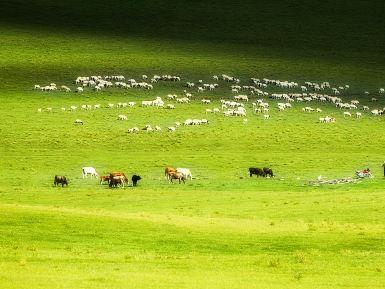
290, 95
119, 179
254, 97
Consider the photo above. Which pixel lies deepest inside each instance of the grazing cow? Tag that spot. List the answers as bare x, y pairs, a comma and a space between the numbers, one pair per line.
104, 179
186, 172
268, 171
177, 176
89, 171
116, 181
168, 171
117, 174
60, 180
135, 180
257, 171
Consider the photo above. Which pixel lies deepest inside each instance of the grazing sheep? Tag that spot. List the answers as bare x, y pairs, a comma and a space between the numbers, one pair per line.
375, 112
133, 130
171, 129
358, 114
65, 88
266, 116
346, 113
79, 89
170, 106
148, 128
79, 121
122, 117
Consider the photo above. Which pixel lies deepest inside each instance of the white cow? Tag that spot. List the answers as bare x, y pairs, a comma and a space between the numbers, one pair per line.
185, 172
89, 171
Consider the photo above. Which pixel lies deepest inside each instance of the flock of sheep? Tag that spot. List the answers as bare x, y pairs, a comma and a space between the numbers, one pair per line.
237, 104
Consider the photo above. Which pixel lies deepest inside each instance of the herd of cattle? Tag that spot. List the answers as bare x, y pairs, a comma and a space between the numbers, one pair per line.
119, 179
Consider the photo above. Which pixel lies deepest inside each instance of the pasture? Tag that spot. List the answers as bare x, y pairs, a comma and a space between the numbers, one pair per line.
222, 229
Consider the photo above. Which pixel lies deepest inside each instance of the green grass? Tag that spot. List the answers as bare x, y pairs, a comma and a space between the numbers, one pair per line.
223, 229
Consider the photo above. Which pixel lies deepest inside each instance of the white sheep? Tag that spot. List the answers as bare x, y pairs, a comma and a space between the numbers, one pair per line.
122, 117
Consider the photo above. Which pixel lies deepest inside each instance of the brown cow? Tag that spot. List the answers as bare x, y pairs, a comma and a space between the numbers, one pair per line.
168, 171
176, 176
104, 179
116, 181
114, 174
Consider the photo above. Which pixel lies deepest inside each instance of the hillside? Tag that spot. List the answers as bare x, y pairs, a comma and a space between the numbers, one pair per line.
300, 39
222, 228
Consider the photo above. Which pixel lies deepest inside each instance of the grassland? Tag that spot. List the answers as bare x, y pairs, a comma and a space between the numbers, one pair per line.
223, 229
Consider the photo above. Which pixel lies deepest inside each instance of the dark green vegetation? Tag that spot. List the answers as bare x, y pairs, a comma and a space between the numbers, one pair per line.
223, 229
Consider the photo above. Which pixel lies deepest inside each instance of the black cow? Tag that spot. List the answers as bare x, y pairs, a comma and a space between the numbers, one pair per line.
257, 171
135, 180
268, 171
60, 180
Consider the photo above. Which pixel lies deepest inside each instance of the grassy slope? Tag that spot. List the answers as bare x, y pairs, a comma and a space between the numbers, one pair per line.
215, 232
